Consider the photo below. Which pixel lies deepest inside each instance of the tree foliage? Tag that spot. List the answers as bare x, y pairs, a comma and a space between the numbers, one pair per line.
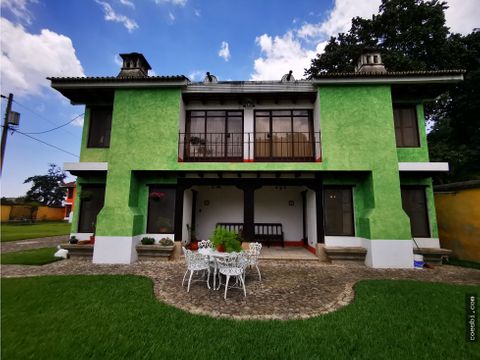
412, 35
46, 189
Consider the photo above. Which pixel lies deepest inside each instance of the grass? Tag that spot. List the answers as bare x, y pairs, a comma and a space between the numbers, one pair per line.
11, 232
463, 263
30, 257
117, 317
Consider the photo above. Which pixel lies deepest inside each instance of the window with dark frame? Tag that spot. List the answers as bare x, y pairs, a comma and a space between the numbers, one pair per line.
338, 211
284, 135
100, 127
414, 202
214, 135
161, 210
91, 202
406, 126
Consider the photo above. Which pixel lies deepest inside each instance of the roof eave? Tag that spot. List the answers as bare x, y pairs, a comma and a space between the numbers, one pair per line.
437, 79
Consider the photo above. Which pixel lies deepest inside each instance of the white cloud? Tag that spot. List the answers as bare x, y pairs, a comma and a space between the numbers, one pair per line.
463, 15
279, 55
197, 13
224, 51
19, 9
196, 75
171, 16
128, 3
172, 2
117, 60
294, 49
111, 15
78, 120
27, 59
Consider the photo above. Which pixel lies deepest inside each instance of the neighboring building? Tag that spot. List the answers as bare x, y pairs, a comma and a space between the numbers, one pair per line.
458, 212
69, 200
330, 159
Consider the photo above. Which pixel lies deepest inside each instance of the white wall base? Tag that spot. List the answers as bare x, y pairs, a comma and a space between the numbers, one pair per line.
394, 254
427, 243
81, 236
339, 241
115, 249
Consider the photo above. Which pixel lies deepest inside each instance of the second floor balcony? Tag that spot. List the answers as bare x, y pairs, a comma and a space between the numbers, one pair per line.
250, 146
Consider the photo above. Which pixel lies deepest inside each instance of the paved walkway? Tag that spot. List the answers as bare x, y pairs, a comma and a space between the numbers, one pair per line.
37, 243
289, 289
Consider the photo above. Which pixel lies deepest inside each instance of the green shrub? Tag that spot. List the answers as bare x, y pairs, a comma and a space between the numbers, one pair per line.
228, 239
148, 241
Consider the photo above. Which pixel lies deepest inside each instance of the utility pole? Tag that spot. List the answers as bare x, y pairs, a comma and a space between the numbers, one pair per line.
5, 128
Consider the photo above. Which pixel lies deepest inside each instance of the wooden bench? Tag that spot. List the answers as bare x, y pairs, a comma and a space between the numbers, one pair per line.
263, 232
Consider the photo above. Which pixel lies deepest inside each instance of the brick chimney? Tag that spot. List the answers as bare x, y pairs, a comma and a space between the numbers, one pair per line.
370, 62
134, 66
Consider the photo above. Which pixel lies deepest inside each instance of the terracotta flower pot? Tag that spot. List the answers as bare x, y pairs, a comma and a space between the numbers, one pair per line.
220, 248
194, 245
92, 239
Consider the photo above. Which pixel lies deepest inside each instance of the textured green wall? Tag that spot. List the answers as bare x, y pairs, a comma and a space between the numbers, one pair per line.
357, 134
144, 136
419, 154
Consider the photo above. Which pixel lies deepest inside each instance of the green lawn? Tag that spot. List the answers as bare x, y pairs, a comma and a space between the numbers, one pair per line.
117, 317
12, 232
30, 257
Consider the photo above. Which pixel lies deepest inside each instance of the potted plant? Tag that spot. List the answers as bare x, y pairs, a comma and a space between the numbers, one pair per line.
193, 245
166, 242
148, 249
73, 240
92, 237
225, 240
147, 241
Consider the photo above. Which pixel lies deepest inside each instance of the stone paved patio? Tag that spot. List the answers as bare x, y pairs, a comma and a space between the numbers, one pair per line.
289, 289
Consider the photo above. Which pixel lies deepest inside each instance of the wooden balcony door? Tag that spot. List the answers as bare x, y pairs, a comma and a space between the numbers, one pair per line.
284, 135
214, 135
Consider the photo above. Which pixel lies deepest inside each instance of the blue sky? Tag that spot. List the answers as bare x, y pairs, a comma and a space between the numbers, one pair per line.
235, 40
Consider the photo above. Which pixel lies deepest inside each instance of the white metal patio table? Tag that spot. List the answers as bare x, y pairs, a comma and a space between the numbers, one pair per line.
213, 254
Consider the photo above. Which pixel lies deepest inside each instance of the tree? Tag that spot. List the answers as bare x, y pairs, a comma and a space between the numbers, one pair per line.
46, 189
411, 35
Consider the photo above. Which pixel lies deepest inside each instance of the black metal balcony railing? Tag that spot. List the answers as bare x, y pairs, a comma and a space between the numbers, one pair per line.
264, 146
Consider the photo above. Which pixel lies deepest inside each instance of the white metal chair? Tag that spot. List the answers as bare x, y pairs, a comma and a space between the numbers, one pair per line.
252, 256
233, 265
195, 262
205, 244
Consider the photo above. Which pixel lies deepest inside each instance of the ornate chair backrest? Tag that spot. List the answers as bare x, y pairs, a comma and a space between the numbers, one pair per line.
228, 261
195, 258
255, 247
204, 244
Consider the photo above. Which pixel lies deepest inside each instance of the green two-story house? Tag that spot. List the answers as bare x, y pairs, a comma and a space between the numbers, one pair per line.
337, 161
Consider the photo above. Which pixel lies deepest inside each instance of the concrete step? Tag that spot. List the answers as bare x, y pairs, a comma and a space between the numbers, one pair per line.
351, 253
432, 255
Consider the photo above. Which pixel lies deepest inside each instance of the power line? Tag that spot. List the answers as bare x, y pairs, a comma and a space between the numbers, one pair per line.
58, 127
43, 142
41, 116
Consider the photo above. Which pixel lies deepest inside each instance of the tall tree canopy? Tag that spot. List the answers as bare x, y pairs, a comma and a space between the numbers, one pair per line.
412, 35
46, 189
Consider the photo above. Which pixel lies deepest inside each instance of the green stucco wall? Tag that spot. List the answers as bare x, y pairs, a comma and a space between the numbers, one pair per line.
357, 134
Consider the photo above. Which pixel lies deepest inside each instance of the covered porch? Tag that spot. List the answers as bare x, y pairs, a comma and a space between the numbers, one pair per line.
280, 211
